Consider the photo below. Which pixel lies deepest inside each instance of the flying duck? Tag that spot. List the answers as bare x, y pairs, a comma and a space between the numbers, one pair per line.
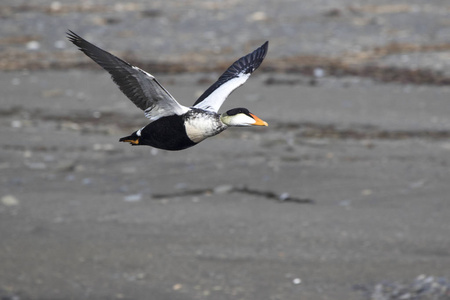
174, 126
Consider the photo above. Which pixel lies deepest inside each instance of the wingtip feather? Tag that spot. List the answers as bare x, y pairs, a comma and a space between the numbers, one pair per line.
75, 39
72, 36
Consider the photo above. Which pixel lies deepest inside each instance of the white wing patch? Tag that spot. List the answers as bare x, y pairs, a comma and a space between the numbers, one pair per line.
165, 107
215, 100
159, 111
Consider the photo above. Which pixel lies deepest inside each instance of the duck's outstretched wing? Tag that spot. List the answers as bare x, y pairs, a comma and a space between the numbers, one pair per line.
139, 86
234, 77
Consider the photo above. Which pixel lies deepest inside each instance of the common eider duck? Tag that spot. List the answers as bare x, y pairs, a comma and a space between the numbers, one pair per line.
174, 126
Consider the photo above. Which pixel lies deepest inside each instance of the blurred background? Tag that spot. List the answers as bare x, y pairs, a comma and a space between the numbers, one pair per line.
344, 196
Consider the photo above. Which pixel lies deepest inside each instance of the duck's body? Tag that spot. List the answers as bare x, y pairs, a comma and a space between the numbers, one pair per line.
184, 131
174, 126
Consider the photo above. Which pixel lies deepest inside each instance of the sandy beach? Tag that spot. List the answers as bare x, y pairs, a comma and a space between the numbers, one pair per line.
344, 195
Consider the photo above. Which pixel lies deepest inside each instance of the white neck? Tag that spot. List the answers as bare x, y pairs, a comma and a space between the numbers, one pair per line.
202, 126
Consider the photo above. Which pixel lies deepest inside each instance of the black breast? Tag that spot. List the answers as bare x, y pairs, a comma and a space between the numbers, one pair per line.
168, 133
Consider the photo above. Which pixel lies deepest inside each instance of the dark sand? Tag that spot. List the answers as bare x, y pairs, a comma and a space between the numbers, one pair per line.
83, 222
83, 216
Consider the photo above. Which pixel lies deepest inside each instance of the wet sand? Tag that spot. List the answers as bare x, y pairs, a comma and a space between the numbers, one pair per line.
344, 196
85, 217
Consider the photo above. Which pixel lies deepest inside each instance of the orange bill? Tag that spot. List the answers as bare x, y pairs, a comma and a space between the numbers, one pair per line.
258, 121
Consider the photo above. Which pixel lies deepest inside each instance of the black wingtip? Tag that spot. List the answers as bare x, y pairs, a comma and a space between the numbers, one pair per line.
74, 38
265, 46
261, 52
252, 61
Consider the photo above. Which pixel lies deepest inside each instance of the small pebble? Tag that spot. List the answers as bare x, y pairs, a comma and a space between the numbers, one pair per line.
55, 6
133, 198
296, 281
33, 45
258, 16
319, 72
284, 196
16, 124
223, 189
9, 200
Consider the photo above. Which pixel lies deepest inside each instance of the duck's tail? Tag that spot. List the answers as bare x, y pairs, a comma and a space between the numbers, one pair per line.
133, 139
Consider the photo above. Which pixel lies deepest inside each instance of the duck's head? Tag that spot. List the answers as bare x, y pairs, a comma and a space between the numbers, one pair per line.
241, 117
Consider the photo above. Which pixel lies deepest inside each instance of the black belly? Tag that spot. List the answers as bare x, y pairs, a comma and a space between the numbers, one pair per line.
168, 133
